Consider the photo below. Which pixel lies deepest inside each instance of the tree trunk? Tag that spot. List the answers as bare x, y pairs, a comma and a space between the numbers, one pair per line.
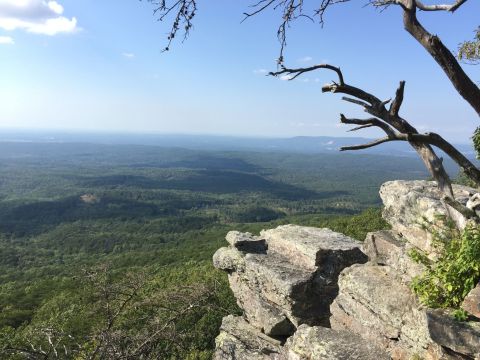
442, 55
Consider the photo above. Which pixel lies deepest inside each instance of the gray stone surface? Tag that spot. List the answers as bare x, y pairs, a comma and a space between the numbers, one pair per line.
389, 248
228, 259
409, 205
461, 337
471, 304
293, 282
238, 340
311, 343
246, 242
291, 279
474, 202
374, 303
259, 312
308, 246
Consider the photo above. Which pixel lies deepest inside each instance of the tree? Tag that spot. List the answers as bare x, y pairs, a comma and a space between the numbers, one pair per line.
386, 118
121, 316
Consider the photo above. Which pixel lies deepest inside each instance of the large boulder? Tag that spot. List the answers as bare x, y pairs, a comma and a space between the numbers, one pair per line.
286, 276
460, 337
312, 248
374, 303
412, 206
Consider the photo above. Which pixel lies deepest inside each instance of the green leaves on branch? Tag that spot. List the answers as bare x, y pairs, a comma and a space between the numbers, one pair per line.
456, 271
476, 141
469, 51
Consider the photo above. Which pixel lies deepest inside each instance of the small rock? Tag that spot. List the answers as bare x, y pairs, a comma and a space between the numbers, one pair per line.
471, 304
228, 259
240, 341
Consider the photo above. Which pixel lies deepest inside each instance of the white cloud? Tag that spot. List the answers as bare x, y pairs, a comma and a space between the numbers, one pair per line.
285, 77
6, 40
35, 16
260, 71
305, 59
128, 55
297, 124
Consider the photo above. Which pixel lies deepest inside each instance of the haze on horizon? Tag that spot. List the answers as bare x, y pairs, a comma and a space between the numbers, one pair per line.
98, 66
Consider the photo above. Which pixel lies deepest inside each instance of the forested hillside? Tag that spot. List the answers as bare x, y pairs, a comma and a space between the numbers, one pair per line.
106, 249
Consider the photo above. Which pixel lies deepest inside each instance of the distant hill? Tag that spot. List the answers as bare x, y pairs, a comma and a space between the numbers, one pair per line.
298, 144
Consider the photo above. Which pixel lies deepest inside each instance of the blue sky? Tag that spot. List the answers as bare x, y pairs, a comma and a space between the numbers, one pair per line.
98, 65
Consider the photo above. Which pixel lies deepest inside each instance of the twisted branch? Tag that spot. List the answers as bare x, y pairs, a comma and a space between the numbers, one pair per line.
395, 127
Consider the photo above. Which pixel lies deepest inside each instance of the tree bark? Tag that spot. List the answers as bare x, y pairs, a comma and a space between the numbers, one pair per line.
442, 55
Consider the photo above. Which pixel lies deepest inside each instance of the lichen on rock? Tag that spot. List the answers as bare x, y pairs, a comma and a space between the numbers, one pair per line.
309, 293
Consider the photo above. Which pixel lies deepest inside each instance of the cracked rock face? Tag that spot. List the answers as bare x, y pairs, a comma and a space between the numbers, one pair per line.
309, 293
238, 340
374, 303
388, 248
412, 205
328, 344
461, 337
286, 276
471, 304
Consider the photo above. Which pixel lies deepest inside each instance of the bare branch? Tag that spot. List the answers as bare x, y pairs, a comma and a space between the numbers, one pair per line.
397, 102
182, 12
462, 209
355, 101
301, 71
370, 122
368, 145
440, 7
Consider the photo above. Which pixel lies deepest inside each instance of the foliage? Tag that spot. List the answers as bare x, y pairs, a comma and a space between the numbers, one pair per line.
460, 315
455, 272
143, 219
463, 179
130, 315
476, 141
469, 51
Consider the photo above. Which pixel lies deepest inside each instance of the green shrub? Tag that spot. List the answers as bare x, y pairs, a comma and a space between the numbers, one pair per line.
455, 272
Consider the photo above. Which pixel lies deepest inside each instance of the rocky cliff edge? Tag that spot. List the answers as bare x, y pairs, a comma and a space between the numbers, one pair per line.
310, 293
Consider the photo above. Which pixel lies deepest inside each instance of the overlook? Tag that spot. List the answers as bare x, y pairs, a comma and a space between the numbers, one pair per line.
275, 179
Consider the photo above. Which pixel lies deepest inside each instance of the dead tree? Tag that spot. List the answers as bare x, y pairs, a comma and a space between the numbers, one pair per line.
183, 12
395, 127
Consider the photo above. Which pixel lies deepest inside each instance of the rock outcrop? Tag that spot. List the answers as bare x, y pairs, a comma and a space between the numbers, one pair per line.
412, 206
310, 293
286, 276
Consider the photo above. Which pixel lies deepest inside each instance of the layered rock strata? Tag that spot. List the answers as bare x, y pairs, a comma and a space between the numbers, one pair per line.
310, 293
286, 276
375, 299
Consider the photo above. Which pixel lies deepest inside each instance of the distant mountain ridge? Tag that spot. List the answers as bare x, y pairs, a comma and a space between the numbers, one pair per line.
298, 144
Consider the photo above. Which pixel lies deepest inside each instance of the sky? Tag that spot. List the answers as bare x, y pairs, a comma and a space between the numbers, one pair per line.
98, 66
